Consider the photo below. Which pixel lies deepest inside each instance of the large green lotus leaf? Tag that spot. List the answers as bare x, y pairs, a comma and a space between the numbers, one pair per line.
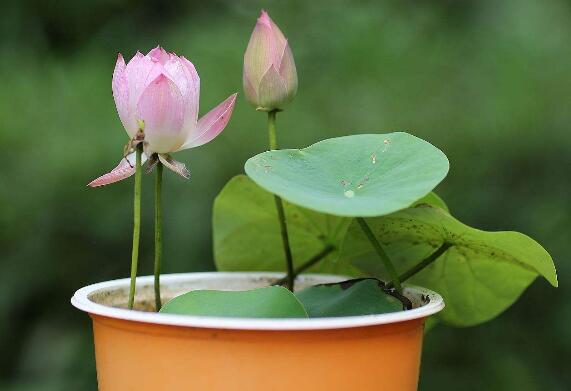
479, 277
247, 233
268, 302
356, 176
348, 298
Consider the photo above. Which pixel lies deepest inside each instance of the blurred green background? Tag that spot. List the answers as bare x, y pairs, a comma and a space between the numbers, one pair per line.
487, 81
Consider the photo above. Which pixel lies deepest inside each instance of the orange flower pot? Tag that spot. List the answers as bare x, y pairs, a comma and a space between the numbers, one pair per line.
137, 350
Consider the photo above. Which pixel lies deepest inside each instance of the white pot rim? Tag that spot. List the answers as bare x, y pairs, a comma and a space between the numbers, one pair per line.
81, 300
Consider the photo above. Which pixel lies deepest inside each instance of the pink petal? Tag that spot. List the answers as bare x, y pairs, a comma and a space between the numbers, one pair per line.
174, 165
192, 114
120, 89
261, 53
211, 124
288, 71
182, 73
279, 38
272, 92
264, 18
249, 89
124, 169
159, 54
161, 107
138, 71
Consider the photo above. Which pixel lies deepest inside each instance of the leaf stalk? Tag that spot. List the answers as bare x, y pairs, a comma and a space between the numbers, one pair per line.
395, 281
136, 225
158, 236
273, 144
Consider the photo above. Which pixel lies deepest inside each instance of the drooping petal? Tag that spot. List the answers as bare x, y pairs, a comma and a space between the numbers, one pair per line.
211, 124
124, 169
120, 89
272, 92
174, 165
151, 163
161, 108
159, 54
184, 75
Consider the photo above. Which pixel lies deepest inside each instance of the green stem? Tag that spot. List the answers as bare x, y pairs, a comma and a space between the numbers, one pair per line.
158, 235
381, 252
136, 224
285, 241
280, 207
309, 263
273, 141
427, 261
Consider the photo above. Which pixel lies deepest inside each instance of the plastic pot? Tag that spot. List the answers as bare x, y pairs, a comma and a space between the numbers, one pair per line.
139, 350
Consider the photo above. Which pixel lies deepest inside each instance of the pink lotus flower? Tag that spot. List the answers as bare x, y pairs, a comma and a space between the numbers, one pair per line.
157, 100
270, 77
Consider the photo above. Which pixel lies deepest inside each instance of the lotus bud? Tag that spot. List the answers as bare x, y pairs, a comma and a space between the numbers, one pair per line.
270, 77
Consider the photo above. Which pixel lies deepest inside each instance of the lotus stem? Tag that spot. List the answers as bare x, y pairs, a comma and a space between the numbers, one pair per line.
395, 282
280, 207
273, 141
158, 236
136, 225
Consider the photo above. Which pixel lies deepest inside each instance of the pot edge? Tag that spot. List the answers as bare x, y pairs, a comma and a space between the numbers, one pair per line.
81, 301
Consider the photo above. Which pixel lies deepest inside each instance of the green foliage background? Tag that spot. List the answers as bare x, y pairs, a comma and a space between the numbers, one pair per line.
486, 81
